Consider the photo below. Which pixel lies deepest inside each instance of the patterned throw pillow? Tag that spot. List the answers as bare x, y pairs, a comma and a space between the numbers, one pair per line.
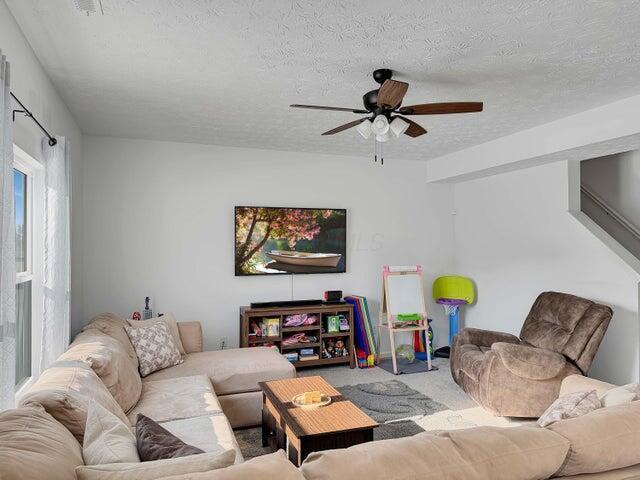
154, 347
571, 405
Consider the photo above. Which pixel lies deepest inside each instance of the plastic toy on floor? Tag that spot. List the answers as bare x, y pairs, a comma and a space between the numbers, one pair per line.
406, 352
420, 342
452, 292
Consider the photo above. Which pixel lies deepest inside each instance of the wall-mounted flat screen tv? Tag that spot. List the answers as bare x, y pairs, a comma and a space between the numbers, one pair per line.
276, 240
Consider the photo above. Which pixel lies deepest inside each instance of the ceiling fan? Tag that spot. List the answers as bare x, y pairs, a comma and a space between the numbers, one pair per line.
385, 115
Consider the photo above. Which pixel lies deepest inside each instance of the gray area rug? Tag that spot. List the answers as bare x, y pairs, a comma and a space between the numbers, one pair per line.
405, 367
390, 400
390, 403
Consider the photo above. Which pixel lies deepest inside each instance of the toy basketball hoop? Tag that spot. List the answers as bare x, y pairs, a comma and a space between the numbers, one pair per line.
452, 292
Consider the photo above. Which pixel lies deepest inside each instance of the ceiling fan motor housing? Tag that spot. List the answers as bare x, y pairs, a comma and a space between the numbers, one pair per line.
382, 74
370, 100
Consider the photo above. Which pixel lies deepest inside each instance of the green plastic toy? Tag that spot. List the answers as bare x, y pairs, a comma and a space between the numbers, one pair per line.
454, 287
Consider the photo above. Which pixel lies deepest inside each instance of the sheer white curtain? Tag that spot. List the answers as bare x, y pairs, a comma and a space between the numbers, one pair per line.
7, 246
55, 321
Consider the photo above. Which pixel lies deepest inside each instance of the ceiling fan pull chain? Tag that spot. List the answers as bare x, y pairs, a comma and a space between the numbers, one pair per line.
375, 150
381, 154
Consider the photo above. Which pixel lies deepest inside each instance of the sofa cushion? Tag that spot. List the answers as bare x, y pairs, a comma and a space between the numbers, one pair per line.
572, 405
66, 389
34, 445
211, 433
627, 473
156, 442
167, 319
107, 439
575, 383
155, 469
242, 409
113, 325
176, 398
190, 336
154, 346
236, 370
473, 454
605, 439
274, 465
108, 358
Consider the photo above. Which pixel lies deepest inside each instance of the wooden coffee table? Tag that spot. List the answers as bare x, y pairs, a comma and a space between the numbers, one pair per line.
338, 425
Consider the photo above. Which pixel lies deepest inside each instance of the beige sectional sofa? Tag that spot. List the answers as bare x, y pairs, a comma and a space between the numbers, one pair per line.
199, 400
196, 400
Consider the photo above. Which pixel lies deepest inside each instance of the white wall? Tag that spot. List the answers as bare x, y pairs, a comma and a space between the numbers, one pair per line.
515, 238
616, 179
32, 86
158, 220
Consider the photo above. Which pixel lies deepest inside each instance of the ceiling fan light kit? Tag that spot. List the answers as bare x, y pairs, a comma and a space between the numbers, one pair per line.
398, 126
385, 110
380, 125
364, 129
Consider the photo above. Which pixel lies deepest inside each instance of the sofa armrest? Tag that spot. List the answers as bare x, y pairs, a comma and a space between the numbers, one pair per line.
529, 362
577, 383
191, 336
484, 338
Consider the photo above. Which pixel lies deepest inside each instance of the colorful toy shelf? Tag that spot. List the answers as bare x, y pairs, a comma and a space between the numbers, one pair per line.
321, 339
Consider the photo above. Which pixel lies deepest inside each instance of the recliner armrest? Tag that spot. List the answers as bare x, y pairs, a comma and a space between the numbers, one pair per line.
484, 338
191, 336
529, 362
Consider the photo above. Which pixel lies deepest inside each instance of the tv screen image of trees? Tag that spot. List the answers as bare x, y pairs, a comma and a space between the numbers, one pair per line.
290, 240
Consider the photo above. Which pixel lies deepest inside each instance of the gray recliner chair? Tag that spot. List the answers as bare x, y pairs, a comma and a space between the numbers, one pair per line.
521, 376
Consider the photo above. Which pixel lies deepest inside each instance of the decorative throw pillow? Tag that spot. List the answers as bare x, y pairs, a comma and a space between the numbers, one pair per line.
157, 443
154, 347
571, 405
107, 439
167, 318
620, 395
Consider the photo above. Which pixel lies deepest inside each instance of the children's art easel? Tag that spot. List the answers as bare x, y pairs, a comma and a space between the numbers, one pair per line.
403, 308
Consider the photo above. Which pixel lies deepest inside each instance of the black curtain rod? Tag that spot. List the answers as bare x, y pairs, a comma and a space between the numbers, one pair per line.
27, 113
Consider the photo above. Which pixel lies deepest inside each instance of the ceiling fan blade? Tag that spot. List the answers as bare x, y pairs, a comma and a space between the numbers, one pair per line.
344, 127
441, 108
414, 129
336, 109
391, 93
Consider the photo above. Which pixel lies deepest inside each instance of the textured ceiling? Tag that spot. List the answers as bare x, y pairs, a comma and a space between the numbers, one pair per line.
224, 72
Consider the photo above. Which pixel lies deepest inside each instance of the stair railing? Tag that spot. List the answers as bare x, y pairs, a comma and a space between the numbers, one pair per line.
609, 210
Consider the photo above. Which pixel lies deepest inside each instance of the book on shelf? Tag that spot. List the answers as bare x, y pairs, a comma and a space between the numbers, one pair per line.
291, 356
304, 358
273, 326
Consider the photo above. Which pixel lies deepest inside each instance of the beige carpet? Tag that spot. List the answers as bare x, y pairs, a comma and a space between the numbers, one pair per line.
461, 412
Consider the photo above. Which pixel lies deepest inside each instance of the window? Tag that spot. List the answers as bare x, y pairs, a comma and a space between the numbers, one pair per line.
29, 219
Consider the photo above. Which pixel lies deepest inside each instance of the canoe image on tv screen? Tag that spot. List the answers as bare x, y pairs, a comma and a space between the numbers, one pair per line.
275, 240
